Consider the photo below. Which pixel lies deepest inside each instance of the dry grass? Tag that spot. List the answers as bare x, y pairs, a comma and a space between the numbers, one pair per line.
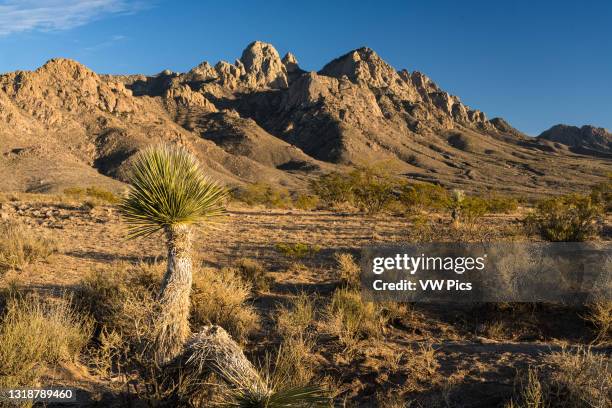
21, 246
351, 319
121, 298
600, 315
253, 272
221, 297
575, 379
294, 321
348, 270
35, 333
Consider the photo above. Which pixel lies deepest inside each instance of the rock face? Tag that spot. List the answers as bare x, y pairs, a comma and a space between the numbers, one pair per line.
585, 137
263, 118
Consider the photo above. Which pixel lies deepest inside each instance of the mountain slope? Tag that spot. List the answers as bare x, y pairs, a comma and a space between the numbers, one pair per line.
263, 118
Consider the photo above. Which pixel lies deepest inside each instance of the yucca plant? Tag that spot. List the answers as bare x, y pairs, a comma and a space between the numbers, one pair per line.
169, 193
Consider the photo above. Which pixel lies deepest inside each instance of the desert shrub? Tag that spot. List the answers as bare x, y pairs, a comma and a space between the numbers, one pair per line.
472, 208
600, 315
497, 204
370, 189
221, 297
424, 196
297, 250
566, 218
263, 194
334, 188
35, 333
601, 193
352, 319
20, 246
294, 365
111, 294
573, 379
93, 193
306, 201
294, 320
373, 189
348, 270
253, 272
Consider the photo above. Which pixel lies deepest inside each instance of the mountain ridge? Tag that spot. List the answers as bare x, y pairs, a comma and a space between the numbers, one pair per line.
263, 118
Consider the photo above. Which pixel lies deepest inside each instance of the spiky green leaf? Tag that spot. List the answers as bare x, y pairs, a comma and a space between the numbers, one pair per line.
167, 188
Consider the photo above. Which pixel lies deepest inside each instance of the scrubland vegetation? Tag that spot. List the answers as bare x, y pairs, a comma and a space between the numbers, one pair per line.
245, 336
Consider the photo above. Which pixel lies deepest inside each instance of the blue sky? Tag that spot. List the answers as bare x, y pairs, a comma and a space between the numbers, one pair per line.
534, 63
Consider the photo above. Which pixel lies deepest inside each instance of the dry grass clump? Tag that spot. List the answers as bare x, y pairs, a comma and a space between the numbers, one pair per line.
348, 270
294, 321
576, 379
121, 298
600, 315
36, 332
253, 272
221, 297
352, 319
20, 246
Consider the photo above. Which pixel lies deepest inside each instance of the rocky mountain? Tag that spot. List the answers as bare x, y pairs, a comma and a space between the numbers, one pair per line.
263, 118
586, 139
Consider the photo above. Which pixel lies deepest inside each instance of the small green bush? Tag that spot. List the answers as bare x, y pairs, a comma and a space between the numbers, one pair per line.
371, 189
297, 250
602, 194
306, 201
498, 204
334, 188
264, 194
566, 218
424, 196
93, 193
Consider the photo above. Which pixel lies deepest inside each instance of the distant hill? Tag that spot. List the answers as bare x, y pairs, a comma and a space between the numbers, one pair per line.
586, 139
263, 118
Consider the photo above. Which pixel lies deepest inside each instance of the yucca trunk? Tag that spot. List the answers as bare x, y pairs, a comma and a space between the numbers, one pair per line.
172, 325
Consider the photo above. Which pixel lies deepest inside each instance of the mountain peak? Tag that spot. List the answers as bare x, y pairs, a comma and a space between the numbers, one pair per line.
263, 66
361, 65
585, 137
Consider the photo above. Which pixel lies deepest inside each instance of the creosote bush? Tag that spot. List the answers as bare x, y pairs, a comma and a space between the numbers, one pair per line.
263, 194
566, 218
601, 193
370, 189
36, 333
221, 297
21, 246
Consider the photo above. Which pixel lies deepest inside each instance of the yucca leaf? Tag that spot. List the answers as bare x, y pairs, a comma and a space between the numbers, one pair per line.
168, 187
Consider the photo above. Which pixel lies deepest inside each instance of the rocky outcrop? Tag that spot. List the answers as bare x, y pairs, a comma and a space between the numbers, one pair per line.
263, 67
584, 138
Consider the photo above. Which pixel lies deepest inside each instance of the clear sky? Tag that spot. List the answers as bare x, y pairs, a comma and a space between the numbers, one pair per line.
535, 63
